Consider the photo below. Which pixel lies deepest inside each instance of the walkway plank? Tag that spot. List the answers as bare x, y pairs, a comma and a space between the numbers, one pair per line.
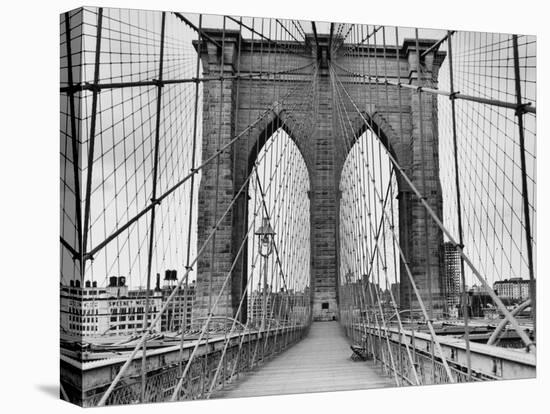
319, 363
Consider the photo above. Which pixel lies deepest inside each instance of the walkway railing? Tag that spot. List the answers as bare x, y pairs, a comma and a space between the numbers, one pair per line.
131, 137
247, 349
487, 362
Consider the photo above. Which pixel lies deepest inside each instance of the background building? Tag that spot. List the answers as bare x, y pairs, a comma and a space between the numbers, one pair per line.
82, 311
179, 310
479, 302
255, 303
452, 275
514, 288
395, 291
286, 306
114, 310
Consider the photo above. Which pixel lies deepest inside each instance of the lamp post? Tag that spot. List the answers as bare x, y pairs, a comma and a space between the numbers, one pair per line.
265, 246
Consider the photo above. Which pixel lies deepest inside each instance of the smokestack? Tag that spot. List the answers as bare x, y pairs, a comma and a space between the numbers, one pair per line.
157, 287
112, 281
88, 284
94, 283
122, 281
71, 283
77, 283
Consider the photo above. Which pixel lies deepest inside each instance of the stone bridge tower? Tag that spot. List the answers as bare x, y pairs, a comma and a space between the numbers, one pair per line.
396, 120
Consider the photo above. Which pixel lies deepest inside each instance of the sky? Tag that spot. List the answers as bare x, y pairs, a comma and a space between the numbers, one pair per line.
126, 129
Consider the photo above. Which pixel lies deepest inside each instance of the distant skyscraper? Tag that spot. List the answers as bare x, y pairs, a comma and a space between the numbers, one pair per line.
451, 274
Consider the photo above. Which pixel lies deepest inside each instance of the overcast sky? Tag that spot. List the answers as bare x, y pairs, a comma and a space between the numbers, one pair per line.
121, 177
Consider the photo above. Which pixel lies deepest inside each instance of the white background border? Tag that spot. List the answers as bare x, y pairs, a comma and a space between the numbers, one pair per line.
29, 188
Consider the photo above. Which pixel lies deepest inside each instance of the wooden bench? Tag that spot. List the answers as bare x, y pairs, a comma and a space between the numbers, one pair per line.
359, 353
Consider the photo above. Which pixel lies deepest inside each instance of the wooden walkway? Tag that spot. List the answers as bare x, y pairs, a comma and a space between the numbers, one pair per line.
319, 363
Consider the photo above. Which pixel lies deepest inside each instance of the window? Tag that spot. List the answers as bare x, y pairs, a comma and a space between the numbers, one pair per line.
324, 305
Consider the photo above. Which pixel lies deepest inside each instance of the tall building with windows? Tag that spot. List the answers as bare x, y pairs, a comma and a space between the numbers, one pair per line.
114, 310
514, 288
128, 312
82, 311
178, 312
452, 274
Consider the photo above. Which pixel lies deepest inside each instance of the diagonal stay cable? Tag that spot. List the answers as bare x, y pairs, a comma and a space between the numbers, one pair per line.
434, 217
272, 108
526, 106
170, 297
262, 194
180, 283
222, 288
377, 236
409, 273
265, 75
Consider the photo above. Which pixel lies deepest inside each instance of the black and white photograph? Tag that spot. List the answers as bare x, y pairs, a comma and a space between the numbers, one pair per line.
259, 205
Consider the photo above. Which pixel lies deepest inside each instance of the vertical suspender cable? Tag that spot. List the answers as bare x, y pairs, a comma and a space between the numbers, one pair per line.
95, 92
191, 195
146, 326
525, 195
75, 144
459, 210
